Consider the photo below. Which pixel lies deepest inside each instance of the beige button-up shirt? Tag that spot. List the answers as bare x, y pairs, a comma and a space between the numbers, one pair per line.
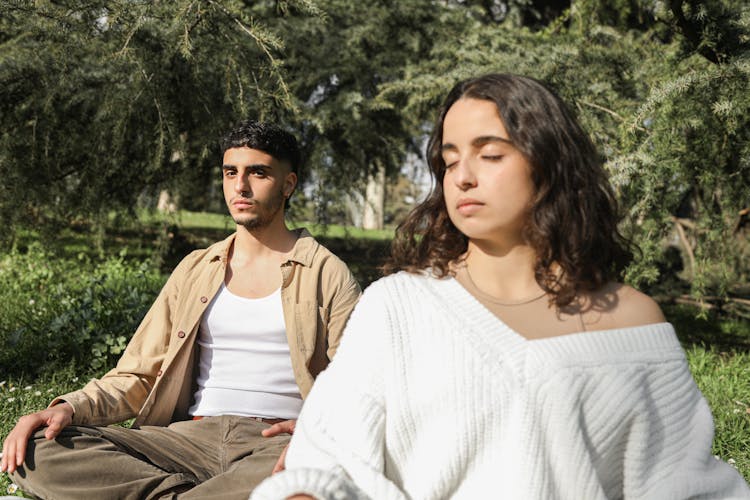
154, 380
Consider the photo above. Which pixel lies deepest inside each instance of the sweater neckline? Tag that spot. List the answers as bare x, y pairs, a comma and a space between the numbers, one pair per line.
649, 338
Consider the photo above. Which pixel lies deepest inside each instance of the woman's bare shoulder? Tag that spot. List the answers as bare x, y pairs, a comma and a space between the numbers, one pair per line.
621, 306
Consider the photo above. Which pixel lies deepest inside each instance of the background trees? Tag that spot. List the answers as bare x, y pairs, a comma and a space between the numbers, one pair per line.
336, 65
104, 101
663, 89
108, 102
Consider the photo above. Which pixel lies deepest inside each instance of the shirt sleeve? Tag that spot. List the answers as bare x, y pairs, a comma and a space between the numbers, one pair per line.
343, 302
121, 392
668, 451
338, 447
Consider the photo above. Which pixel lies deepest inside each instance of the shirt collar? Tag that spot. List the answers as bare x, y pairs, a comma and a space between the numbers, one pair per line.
302, 253
304, 248
220, 251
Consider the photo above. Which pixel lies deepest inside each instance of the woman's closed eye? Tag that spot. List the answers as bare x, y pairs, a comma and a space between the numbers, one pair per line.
450, 160
492, 157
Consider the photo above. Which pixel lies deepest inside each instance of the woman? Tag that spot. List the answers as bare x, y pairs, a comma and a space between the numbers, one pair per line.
504, 359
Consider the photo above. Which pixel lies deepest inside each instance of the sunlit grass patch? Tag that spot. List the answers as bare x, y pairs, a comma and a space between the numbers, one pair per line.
724, 379
22, 395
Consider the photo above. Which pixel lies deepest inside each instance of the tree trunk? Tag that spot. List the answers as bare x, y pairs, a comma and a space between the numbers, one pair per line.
375, 199
167, 203
354, 203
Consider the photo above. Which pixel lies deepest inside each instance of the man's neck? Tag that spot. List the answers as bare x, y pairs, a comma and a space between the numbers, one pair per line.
254, 260
263, 243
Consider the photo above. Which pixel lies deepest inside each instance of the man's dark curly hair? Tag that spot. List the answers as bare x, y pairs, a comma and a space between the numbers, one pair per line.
266, 137
573, 221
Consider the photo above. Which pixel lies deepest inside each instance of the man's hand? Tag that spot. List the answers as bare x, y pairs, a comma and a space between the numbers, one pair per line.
14, 448
285, 427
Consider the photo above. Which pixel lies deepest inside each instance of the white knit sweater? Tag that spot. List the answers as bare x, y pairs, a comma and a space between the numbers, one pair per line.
431, 396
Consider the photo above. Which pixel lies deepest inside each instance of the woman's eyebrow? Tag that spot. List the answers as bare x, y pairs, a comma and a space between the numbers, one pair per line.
477, 141
484, 139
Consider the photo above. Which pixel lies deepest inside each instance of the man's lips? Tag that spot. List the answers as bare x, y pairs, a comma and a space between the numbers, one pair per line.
243, 203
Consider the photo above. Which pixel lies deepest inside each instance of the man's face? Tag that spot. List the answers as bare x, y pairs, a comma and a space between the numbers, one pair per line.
255, 186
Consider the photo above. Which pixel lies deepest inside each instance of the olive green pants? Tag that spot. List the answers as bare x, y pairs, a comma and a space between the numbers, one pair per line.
216, 457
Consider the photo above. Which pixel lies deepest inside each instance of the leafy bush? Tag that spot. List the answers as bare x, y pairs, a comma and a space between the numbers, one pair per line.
54, 311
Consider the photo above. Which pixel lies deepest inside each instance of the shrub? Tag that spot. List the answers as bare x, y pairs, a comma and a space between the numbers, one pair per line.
54, 311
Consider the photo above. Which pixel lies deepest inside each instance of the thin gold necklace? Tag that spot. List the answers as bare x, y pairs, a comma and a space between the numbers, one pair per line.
499, 302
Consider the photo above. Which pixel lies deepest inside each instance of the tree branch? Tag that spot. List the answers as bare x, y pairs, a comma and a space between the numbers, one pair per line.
685, 244
690, 31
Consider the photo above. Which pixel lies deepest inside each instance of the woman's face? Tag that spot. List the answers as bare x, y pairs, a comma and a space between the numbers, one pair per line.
487, 185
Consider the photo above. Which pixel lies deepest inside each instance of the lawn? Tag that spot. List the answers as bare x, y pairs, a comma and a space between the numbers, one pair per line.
72, 285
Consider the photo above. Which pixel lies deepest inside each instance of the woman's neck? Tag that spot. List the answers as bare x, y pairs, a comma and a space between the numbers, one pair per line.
505, 273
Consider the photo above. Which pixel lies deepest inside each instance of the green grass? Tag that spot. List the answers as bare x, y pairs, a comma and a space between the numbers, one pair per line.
721, 332
166, 239
19, 396
723, 379
718, 352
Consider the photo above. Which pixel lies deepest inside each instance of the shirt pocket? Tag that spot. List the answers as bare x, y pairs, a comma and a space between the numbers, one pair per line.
307, 323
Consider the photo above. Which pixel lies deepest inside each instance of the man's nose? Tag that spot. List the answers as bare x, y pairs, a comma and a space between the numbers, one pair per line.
242, 184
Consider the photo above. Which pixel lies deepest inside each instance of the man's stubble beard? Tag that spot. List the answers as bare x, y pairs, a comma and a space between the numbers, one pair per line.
264, 216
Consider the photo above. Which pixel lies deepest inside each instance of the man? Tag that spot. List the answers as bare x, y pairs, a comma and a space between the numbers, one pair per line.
216, 372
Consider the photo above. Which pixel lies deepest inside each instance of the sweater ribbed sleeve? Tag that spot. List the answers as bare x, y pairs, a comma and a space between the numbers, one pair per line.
339, 439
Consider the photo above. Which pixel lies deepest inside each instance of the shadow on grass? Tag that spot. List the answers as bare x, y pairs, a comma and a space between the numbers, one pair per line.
364, 257
725, 334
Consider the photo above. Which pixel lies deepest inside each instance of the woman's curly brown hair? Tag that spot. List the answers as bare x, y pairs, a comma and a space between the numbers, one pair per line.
573, 221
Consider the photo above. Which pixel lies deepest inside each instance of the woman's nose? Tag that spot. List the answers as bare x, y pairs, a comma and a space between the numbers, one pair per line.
465, 177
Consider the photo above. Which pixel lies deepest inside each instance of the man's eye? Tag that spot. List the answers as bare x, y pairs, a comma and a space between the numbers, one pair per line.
229, 173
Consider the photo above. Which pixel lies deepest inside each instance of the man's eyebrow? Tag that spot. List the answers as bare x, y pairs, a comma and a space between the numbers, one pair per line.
254, 166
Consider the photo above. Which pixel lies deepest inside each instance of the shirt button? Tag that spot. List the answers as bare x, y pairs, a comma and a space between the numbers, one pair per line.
158, 374
181, 334
204, 299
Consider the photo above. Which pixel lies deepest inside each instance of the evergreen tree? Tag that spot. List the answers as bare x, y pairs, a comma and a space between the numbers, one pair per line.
664, 92
102, 99
336, 66
101, 102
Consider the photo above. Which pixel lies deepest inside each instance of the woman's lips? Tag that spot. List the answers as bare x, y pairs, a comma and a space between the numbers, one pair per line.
468, 206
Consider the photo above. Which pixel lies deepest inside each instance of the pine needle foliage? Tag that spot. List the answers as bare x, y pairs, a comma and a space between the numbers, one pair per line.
100, 100
337, 64
104, 101
664, 90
